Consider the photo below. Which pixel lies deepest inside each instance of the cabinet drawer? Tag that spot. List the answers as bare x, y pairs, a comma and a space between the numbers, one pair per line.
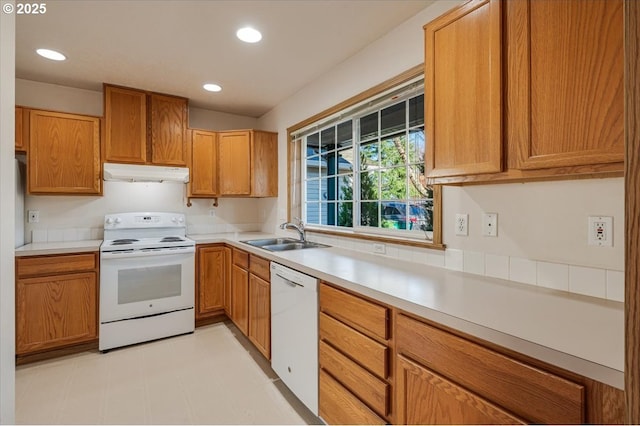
528, 392
371, 390
364, 350
241, 258
259, 267
339, 406
355, 311
47, 265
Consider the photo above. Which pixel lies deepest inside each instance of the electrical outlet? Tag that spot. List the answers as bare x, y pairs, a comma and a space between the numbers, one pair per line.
379, 248
490, 224
600, 231
33, 216
462, 221
212, 212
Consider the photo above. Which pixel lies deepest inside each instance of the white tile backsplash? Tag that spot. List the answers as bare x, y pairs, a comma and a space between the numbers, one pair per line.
454, 259
39, 236
496, 266
553, 275
522, 270
70, 234
435, 258
615, 285
587, 281
473, 262
55, 235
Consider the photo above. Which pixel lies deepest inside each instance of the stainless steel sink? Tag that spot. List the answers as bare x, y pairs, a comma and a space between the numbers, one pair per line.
283, 244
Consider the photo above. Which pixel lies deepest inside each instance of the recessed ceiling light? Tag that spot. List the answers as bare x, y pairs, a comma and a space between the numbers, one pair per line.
51, 54
249, 35
212, 87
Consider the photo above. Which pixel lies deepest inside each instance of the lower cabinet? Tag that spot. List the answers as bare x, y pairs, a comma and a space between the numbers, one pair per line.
425, 397
250, 298
56, 301
260, 305
466, 383
355, 359
212, 276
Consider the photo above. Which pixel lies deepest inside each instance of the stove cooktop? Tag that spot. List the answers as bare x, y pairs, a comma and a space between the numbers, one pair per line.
146, 243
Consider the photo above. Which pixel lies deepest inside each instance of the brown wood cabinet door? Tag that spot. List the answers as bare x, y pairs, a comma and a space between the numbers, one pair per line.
168, 130
204, 170
338, 406
425, 397
234, 163
260, 314
211, 279
64, 153
463, 91
55, 311
227, 281
264, 164
125, 113
20, 140
240, 298
565, 82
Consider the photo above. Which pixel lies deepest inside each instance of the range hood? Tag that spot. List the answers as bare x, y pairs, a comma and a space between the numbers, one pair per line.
143, 173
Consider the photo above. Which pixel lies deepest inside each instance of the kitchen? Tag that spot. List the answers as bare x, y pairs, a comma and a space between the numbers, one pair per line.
553, 236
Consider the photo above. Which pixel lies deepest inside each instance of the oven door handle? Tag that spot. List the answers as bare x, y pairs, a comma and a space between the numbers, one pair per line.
146, 253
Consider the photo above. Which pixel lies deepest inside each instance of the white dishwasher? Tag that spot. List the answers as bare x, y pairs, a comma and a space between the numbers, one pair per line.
294, 332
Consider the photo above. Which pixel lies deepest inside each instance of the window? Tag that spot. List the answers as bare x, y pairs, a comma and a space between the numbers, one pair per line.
361, 169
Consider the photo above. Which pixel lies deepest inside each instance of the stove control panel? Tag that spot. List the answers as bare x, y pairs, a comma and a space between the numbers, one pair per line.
144, 220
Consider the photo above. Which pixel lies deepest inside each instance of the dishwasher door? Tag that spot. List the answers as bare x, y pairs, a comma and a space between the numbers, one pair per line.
294, 332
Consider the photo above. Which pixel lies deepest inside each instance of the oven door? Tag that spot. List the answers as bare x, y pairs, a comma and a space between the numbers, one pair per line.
145, 283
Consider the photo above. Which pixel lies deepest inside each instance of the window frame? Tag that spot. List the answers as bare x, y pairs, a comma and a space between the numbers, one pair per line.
410, 238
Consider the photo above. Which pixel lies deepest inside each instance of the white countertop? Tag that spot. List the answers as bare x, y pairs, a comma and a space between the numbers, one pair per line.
578, 333
60, 247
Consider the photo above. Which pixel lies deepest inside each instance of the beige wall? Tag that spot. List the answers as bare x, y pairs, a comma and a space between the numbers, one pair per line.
544, 221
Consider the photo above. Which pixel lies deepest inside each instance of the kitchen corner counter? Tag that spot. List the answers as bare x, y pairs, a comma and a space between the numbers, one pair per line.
60, 247
581, 334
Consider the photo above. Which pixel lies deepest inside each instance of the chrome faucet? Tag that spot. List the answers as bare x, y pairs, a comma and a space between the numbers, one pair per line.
299, 227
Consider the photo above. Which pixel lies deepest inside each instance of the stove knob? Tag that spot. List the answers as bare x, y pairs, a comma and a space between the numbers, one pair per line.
174, 219
109, 221
118, 220
181, 219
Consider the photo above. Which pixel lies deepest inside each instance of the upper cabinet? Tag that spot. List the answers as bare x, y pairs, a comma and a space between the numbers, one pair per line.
144, 127
63, 154
558, 68
203, 181
463, 91
248, 163
21, 143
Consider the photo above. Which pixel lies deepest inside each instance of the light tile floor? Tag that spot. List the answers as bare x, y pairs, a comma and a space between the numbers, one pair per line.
209, 377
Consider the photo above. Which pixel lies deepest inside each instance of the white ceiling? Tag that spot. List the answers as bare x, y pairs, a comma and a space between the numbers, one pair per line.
176, 46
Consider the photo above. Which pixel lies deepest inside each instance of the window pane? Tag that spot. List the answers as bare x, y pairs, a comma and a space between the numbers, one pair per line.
368, 155
417, 187
369, 186
345, 187
392, 150
330, 161
345, 214
393, 183
313, 190
313, 167
328, 139
313, 143
421, 215
393, 118
324, 184
369, 126
345, 160
313, 213
416, 111
416, 146
345, 134
394, 215
369, 214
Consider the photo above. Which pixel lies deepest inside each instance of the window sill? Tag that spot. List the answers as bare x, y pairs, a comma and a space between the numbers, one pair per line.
379, 238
